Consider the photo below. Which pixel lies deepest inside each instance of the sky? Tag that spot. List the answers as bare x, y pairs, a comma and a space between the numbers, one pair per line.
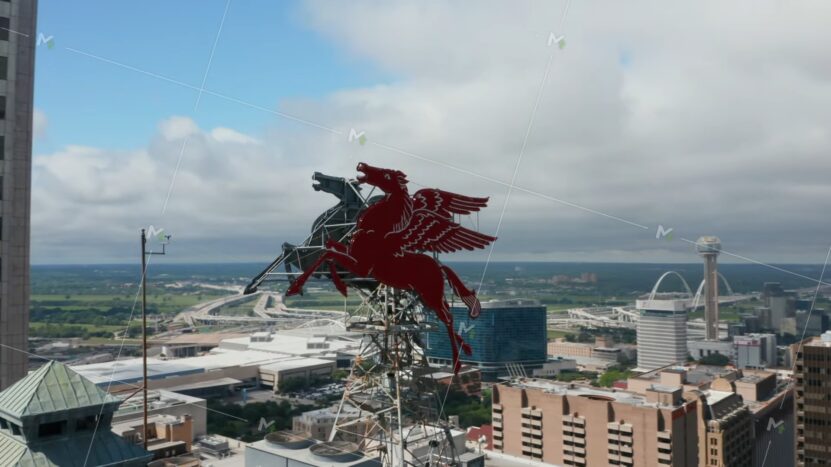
594, 127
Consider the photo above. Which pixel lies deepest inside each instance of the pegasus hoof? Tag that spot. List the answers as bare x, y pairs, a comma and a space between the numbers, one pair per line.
294, 289
466, 349
341, 288
457, 367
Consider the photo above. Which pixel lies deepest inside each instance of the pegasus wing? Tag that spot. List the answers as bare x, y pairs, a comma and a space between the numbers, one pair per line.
446, 203
433, 232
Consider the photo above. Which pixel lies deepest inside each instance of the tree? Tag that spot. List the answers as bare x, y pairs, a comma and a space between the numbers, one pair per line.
608, 378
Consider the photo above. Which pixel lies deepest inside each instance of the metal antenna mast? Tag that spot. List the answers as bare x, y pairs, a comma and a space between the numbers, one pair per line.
144, 255
398, 410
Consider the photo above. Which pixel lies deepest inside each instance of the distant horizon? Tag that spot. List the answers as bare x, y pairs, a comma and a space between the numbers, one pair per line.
264, 263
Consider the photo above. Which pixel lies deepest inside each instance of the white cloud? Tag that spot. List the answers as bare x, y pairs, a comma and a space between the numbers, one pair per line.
227, 135
706, 117
177, 128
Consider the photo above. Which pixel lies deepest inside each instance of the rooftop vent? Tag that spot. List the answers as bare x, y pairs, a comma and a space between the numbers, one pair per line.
288, 440
336, 451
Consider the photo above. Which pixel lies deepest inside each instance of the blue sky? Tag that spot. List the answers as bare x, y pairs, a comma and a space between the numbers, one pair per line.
265, 55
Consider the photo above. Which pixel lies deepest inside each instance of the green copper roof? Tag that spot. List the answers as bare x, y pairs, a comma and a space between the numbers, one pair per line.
51, 388
108, 449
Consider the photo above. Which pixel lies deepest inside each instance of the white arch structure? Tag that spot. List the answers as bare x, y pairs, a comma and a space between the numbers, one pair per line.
701, 289
319, 322
663, 276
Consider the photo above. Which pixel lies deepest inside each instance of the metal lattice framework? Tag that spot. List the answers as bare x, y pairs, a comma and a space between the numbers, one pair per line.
396, 403
399, 410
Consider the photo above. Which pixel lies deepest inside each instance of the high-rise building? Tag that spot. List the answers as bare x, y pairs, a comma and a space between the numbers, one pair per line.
813, 391
709, 248
507, 334
576, 425
662, 333
17, 66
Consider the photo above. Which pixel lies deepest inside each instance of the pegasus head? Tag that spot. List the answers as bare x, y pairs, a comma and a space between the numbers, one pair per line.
388, 180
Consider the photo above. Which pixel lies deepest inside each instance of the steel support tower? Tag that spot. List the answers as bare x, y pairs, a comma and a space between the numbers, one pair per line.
399, 418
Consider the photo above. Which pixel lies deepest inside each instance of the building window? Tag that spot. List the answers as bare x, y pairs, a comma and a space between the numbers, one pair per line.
86, 423
2, 107
51, 429
2, 147
4, 67
4, 28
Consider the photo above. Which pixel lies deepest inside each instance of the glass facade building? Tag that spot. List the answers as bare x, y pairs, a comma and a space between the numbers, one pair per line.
506, 332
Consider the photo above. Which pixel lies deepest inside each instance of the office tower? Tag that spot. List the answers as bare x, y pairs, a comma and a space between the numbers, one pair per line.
509, 336
709, 248
662, 333
17, 66
813, 391
576, 425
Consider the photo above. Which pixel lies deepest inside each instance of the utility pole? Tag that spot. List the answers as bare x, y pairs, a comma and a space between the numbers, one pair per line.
144, 254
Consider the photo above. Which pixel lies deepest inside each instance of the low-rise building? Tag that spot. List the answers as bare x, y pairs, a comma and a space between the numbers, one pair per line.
168, 436
217, 374
318, 424
468, 380
755, 351
554, 366
163, 402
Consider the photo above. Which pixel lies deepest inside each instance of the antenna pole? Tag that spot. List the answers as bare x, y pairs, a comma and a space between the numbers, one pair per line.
144, 330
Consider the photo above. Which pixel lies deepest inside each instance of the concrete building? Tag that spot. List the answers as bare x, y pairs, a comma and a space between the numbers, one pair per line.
604, 348
732, 406
163, 402
699, 349
306, 369
813, 391
507, 332
318, 424
220, 372
709, 247
468, 380
725, 429
554, 366
755, 351
18, 34
575, 425
332, 342
53, 415
662, 333
167, 435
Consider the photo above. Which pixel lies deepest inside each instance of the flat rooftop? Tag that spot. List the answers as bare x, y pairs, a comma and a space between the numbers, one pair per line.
129, 371
511, 303
822, 341
571, 389
294, 343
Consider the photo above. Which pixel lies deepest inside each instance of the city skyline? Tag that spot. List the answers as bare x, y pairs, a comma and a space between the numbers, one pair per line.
608, 139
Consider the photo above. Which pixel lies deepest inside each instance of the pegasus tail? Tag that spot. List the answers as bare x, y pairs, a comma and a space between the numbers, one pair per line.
468, 296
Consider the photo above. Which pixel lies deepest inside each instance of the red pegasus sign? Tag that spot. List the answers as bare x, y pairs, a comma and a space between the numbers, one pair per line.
391, 237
